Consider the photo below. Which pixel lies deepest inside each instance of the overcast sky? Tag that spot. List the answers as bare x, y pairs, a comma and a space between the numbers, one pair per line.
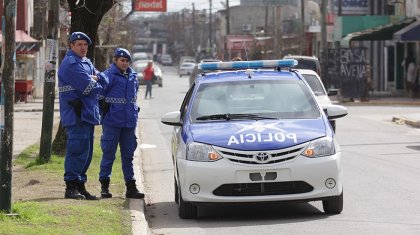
177, 5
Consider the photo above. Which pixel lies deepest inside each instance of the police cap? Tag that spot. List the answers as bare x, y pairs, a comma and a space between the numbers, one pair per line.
80, 36
122, 52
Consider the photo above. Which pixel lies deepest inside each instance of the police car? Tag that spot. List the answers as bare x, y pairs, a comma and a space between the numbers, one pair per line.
254, 133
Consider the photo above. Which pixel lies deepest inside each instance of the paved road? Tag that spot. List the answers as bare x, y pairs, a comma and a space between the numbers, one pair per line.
381, 167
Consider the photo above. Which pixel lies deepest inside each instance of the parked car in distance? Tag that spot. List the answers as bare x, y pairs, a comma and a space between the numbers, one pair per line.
306, 62
140, 56
321, 95
166, 59
186, 69
139, 67
189, 59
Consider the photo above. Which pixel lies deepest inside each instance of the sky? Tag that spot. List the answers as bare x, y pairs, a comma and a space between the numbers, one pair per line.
177, 5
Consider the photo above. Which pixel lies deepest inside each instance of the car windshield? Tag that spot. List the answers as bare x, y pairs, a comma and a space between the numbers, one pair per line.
306, 64
188, 65
315, 84
265, 98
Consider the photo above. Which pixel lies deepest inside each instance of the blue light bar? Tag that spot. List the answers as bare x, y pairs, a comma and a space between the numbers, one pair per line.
255, 64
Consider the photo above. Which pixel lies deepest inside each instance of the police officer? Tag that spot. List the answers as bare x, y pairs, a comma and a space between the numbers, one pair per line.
80, 84
119, 124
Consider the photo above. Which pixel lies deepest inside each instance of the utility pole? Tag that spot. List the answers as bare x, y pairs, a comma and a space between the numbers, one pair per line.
302, 12
226, 53
8, 82
324, 46
210, 33
49, 82
183, 25
278, 47
193, 29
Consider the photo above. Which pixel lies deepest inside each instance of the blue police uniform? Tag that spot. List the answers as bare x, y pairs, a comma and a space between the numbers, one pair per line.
77, 88
120, 122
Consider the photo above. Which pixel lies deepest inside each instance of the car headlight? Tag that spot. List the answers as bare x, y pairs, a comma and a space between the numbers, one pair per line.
320, 148
202, 153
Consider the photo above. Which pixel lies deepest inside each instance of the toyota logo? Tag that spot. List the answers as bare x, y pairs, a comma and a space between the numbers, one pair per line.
262, 157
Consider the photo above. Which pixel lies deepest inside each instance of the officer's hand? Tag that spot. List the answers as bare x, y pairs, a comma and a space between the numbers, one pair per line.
94, 77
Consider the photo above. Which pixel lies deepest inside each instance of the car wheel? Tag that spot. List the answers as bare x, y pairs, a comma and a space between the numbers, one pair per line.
176, 191
180, 76
333, 205
186, 210
160, 85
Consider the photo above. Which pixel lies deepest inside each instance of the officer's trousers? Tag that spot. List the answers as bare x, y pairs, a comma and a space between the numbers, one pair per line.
79, 150
111, 137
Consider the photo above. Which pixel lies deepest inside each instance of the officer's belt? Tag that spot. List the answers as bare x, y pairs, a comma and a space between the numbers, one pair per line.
119, 100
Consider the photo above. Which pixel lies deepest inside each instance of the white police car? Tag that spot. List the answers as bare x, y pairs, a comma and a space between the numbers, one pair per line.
254, 135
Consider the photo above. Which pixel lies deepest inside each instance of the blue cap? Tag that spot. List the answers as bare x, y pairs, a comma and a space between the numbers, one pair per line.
121, 52
80, 36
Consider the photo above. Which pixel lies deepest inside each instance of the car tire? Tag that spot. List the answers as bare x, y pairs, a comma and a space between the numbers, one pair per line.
160, 84
333, 205
180, 76
186, 210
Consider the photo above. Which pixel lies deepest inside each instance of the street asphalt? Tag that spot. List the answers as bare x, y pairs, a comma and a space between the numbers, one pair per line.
28, 122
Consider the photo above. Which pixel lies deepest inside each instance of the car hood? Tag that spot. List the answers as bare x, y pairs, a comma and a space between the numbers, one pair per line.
257, 135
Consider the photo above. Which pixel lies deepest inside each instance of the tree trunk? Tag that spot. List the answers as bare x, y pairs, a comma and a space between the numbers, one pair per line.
85, 17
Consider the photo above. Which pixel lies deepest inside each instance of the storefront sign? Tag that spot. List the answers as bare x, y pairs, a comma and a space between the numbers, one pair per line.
352, 7
150, 5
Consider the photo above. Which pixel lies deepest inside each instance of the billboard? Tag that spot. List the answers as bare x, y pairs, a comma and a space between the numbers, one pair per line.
352, 7
150, 5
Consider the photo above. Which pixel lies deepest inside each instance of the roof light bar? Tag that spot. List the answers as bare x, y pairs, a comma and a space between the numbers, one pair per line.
256, 64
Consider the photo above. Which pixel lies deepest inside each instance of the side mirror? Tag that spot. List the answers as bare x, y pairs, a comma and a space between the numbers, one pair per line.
332, 92
336, 111
172, 119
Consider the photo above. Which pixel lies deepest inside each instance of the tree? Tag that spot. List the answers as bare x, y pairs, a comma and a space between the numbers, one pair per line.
86, 16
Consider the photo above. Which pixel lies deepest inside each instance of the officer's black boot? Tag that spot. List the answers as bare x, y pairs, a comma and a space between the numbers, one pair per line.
72, 192
84, 192
105, 189
132, 191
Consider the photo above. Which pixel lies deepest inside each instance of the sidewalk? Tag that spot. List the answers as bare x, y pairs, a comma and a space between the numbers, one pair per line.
27, 131
411, 119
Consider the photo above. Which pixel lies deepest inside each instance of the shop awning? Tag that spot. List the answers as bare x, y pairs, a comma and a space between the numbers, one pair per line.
381, 33
410, 33
25, 44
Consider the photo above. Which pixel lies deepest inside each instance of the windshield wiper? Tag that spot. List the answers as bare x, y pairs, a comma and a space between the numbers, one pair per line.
229, 116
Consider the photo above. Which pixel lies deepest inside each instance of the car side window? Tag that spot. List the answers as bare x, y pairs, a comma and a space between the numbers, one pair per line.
185, 102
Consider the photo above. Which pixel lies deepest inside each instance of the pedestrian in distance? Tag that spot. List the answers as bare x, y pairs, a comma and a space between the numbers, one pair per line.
410, 69
148, 74
79, 84
119, 123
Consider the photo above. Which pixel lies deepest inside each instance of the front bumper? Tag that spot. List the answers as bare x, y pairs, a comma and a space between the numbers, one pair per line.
286, 181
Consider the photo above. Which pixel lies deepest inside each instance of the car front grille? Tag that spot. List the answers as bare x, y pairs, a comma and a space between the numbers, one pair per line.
250, 157
263, 189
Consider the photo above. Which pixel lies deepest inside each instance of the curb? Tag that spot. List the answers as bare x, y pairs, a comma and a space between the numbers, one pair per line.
406, 121
137, 206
